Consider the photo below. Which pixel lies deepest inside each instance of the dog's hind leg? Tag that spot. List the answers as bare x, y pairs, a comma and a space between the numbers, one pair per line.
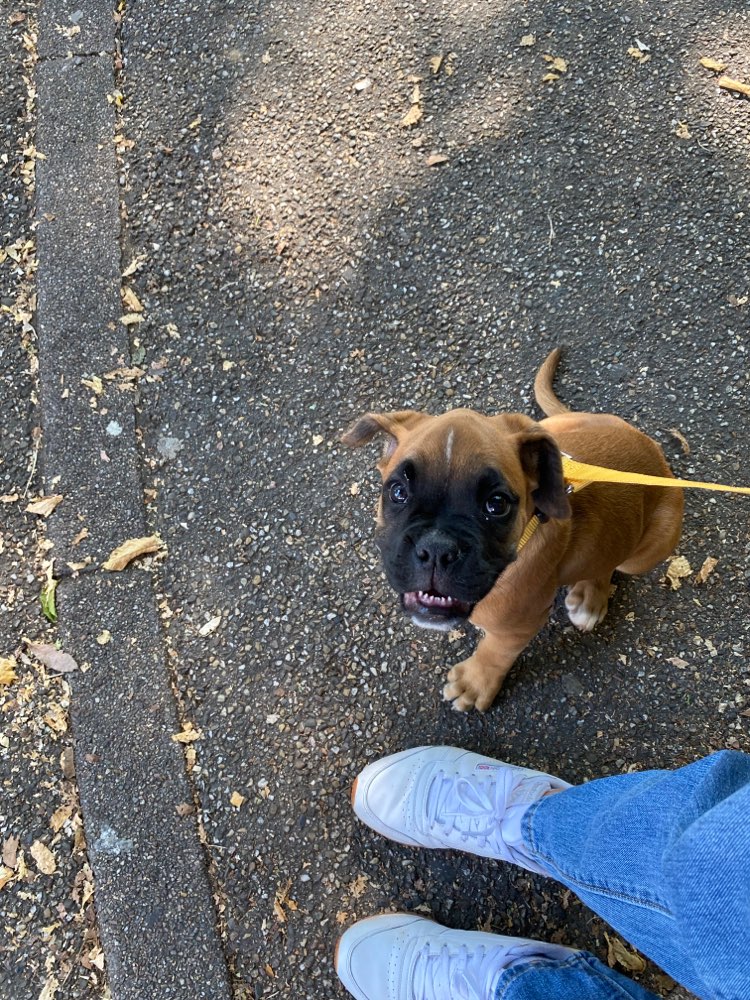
660, 537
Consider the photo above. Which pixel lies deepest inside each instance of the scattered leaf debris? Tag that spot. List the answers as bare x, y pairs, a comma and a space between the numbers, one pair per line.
412, 116
726, 83
527, 41
639, 54
619, 954
679, 436
124, 554
136, 263
7, 669
677, 571
709, 565
281, 900
713, 64
43, 857
44, 505
189, 734
210, 626
53, 658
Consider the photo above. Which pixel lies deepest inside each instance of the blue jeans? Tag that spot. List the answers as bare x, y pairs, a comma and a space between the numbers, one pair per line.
662, 856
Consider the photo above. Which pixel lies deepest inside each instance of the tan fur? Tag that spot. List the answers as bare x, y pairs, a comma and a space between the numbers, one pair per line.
630, 528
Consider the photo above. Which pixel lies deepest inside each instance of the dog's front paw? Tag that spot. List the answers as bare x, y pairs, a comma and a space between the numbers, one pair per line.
587, 603
472, 685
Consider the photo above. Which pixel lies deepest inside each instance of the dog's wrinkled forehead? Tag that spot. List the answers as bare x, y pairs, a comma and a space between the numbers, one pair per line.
455, 445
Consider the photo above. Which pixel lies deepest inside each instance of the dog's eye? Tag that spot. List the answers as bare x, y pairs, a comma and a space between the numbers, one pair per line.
497, 506
398, 493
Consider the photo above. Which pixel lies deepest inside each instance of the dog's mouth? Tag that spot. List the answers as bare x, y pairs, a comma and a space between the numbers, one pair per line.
430, 609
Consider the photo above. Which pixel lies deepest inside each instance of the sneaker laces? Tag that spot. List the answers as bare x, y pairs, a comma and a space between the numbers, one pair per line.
461, 975
476, 807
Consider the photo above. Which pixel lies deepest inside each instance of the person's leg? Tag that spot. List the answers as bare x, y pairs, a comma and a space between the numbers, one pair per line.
400, 956
664, 857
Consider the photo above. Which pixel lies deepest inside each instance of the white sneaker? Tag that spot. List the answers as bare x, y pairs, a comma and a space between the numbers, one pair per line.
398, 956
446, 797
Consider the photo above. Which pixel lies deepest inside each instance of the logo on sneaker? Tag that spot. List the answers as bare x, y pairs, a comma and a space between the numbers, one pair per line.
488, 767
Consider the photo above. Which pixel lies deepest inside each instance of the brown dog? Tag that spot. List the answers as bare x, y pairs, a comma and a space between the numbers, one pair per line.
458, 492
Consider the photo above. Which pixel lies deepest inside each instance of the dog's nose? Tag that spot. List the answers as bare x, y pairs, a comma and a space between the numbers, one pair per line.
437, 549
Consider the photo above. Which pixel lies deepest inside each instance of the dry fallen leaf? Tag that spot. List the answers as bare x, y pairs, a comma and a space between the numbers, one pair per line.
435, 63
681, 438
557, 64
677, 661
7, 669
56, 718
104, 637
709, 565
188, 734
94, 383
358, 886
682, 131
44, 858
726, 83
527, 41
236, 799
550, 78
52, 657
638, 54
185, 809
713, 64
210, 626
678, 569
10, 851
136, 263
317, 440
131, 549
50, 989
130, 301
60, 816
44, 505
617, 953
6, 875
412, 116
435, 159
130, 318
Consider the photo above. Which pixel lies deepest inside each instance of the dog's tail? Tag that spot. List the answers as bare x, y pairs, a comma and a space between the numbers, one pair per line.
543, 391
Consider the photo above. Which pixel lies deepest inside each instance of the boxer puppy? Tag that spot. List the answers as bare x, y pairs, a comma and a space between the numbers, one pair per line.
458, 492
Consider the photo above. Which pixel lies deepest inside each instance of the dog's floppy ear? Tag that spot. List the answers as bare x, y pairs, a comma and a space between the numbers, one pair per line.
393, 425
542, 463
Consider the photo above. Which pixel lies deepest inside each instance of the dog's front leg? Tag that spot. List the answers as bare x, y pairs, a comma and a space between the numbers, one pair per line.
474, 683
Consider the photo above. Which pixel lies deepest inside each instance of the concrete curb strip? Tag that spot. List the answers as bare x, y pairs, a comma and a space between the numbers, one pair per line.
153, 898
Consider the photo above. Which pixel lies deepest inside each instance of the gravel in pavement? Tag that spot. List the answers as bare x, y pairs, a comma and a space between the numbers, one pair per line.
308, 258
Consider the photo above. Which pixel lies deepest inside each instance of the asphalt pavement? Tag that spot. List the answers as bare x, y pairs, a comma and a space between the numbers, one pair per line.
332, 208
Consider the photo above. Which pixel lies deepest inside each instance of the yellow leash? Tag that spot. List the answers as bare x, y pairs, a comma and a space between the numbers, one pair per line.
578, 475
